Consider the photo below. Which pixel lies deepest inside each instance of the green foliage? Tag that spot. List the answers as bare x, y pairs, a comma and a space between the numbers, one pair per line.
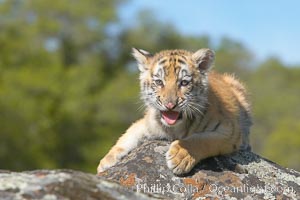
69, 87
283, 143
233, 57
275, 97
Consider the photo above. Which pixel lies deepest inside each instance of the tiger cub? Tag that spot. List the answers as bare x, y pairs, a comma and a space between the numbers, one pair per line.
204, 113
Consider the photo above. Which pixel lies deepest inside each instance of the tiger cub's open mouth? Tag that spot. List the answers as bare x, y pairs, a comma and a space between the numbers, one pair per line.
171, 117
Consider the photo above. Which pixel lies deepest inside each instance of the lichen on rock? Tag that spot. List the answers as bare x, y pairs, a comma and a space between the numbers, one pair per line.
143, 174
239, 175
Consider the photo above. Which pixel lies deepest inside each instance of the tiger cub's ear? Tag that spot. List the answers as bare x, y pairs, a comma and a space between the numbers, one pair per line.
142, 57
203, 59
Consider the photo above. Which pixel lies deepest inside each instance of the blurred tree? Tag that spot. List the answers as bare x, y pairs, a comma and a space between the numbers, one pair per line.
275, 97
286, 139
233, 57
52, 72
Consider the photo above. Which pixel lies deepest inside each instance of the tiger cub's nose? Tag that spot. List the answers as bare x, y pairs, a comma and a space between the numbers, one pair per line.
170, 105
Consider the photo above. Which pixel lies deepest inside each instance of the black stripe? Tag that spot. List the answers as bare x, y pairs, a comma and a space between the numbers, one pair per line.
181, 61
155, 76
184, 73
163, 61
153, 86
217, 126
184, 58
158, 100
204, 128
158, 74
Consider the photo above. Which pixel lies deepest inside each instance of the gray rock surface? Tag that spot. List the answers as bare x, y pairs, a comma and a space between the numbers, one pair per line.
242, 175
62, 185
143, 174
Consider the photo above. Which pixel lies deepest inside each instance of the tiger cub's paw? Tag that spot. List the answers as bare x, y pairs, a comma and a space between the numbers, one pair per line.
110, 159
178, 159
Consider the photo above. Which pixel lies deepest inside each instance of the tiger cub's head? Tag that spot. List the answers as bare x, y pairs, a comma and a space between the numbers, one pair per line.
174, 82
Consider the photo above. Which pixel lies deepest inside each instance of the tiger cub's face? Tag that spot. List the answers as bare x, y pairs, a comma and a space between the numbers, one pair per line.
174, 82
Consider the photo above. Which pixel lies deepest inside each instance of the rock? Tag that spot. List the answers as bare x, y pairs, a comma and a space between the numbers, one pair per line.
61, 185
242, 175
143, 174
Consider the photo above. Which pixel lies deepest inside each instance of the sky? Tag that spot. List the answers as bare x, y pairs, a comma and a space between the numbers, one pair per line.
267, 28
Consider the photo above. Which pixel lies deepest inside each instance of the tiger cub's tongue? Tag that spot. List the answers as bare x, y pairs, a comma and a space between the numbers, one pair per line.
170, 116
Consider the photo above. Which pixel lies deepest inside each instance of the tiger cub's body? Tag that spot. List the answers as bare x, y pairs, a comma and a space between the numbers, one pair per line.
204, 113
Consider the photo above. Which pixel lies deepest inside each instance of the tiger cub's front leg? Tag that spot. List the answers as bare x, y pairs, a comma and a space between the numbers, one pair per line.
184, 154
125, 144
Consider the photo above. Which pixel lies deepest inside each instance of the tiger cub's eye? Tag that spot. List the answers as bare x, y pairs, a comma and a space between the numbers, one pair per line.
184, 83
159, 82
